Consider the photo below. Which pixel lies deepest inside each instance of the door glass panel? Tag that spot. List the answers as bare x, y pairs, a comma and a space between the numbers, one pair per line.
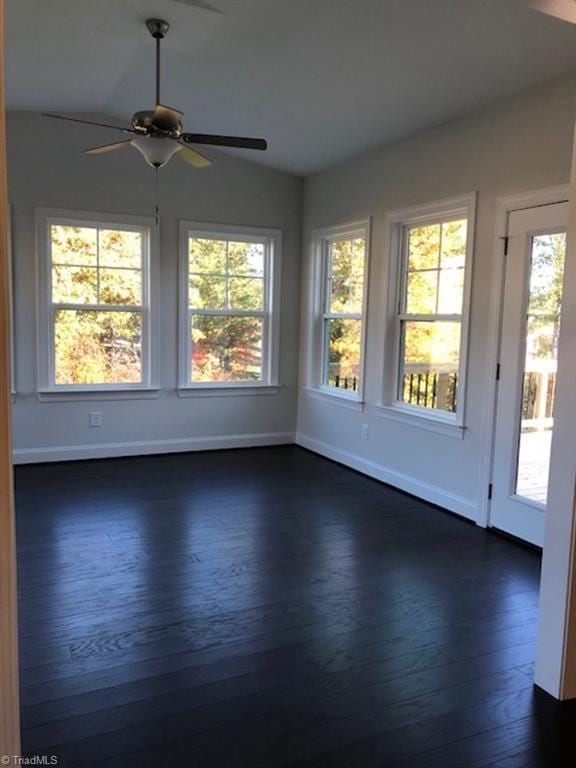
539, 379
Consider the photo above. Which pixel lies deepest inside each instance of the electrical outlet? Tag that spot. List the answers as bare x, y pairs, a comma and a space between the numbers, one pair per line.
364, 432
95, 419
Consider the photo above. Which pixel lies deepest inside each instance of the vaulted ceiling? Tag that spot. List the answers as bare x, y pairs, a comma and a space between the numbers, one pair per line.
322, 80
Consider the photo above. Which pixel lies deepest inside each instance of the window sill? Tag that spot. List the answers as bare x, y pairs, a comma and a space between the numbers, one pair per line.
336, 398
429, 421
79, 395
234, 390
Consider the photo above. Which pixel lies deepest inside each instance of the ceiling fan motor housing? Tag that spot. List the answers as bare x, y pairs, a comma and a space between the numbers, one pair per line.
143, 122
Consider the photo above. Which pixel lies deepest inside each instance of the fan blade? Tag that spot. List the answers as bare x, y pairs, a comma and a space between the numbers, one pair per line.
193, 157
224, 141
88, 122
166, 118
200, 4
108, 147
562, 9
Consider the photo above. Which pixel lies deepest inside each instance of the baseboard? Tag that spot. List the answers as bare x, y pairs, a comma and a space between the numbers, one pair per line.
432, 493
147, 447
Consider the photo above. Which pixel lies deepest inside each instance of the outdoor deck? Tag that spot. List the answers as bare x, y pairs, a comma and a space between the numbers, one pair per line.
534, 464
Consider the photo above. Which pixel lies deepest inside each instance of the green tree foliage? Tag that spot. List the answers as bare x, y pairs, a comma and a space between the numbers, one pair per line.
226, 277
345, 296
93, 268
545, 303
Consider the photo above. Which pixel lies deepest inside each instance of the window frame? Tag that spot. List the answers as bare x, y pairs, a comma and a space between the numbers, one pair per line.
47, 387
322, 239
400, 222
272, 241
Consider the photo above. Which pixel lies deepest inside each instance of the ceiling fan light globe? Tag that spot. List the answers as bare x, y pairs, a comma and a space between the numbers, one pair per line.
157, 151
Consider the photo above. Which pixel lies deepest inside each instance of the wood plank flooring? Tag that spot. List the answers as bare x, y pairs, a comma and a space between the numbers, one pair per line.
265, 608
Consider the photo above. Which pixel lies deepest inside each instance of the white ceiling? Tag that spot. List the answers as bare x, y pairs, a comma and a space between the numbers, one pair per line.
322, 80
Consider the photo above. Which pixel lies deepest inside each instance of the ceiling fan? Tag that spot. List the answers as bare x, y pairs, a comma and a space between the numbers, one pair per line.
158, 134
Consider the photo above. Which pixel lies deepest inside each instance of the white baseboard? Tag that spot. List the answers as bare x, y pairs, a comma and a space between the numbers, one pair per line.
432, 493
147, 447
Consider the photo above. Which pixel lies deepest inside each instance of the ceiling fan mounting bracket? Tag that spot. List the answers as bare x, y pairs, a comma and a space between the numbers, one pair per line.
158, 28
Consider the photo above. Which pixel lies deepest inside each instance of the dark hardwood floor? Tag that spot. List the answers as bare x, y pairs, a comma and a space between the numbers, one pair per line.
265, 608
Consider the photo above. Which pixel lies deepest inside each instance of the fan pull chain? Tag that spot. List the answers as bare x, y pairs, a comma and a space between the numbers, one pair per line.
157, 197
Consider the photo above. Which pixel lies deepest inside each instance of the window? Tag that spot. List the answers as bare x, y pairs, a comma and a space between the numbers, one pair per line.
342, 268
95, 302
432, 318
230, 279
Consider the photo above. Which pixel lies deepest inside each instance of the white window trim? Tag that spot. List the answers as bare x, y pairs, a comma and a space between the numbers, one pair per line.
391, 407
47, 389
320, 240
270, 384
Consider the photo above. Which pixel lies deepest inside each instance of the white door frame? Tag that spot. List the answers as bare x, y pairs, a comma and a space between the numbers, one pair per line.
504, 206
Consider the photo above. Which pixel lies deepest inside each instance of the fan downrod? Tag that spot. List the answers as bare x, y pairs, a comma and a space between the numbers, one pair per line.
158, 28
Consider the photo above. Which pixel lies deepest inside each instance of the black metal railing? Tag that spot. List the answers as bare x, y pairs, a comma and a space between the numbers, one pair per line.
351, 383
431, 390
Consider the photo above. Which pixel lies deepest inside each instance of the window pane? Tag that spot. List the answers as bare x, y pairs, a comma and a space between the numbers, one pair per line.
74, 285
73, 245
226, 348
346, 285
207, 256
429, 374
451, 291
97, 347
246, 293
424, 247
346, 297
206, 292
347, 259
120, 286
422, 291
120, 248
541, 363
454, 244
246, 259
344, 339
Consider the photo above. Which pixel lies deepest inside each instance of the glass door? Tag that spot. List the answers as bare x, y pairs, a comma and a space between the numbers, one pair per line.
528, 360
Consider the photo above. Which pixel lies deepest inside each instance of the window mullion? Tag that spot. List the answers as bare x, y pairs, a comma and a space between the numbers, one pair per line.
227, 283
228, 312
99, 307
439, 267
98, 264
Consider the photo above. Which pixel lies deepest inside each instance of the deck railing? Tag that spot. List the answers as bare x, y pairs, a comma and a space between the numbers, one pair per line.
430, 389
538, 394
343, 382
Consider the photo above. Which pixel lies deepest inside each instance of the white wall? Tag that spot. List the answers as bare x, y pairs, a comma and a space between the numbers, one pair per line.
47, 169
522, 144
